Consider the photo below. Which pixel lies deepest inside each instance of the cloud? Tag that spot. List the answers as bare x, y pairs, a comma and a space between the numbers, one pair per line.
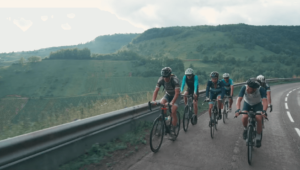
52, 16
9, 19
65, 26
23, 24
44, 18
71, 15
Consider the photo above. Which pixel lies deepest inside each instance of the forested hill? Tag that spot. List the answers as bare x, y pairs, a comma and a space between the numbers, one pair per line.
198, 41
101, 45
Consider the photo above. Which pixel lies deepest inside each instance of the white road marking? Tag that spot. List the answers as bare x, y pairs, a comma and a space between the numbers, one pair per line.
286, 106
289, 115
298, 131
286, 99
287, 95
290, 92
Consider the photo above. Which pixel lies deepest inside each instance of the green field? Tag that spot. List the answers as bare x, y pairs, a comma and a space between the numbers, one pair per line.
42, 94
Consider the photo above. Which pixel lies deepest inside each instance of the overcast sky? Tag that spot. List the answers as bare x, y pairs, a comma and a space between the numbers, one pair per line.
34, 24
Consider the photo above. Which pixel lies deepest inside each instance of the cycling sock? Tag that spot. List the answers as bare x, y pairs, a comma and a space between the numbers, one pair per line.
245, 128
258, 136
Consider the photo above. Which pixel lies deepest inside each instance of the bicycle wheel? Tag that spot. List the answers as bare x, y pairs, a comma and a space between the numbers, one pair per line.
157, 134
178, 124
250, 144
212, 129
227, 109
224, 114
186, 118
263, 126
216, 117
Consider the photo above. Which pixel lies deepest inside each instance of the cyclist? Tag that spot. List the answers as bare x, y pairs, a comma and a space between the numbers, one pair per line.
228, 86
192, 82
265, 85
171, 85
216, 89
254, 97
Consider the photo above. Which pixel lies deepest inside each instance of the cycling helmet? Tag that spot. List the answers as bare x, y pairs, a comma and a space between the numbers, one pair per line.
253, 83
214, 74
189, 71
225, 75
166, 72
261, 78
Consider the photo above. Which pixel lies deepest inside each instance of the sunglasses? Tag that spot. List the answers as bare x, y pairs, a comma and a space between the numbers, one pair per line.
226, 78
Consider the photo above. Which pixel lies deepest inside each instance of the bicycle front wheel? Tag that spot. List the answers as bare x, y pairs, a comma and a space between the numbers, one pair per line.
186, 118
250, 144
224, 114
157, 134
227, 108
178, 124
216, 115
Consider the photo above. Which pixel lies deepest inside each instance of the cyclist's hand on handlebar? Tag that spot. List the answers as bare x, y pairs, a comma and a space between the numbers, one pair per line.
153, 103
264, 114
195, 96
237, 113
271, 107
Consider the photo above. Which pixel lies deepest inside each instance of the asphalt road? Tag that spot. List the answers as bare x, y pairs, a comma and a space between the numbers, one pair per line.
195, 149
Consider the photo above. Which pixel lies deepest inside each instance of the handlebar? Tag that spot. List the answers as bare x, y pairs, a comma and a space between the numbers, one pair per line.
246, 113
158, 104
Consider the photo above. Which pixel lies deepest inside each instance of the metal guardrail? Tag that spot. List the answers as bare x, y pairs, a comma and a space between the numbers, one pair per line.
49, 148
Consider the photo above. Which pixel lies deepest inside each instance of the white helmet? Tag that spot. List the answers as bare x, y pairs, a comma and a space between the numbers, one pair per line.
189, 71
261, 78
226, 75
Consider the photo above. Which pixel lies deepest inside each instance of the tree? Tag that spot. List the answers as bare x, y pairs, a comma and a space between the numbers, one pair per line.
22, 61
205, 59
34, 59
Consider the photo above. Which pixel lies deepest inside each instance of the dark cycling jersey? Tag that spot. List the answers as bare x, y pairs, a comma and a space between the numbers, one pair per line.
169, 86
254, 98
191, 83
219, 89
227, 85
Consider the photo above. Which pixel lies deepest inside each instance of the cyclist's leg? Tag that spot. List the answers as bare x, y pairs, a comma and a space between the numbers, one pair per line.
211, 104
258, 109
165, 99
174, 111
246, 108
230, 99
185, 98
220, 103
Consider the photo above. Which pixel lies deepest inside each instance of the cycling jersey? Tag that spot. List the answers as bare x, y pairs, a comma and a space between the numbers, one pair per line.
169, 86
227, 85
254, 98
191, 83
219, 89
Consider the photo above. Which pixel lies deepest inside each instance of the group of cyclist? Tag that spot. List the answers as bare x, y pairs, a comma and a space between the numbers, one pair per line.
256, 94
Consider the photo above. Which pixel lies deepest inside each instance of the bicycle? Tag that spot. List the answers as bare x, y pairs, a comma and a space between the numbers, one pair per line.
226, 107
213, 118
162, 126
251, 132
188, 113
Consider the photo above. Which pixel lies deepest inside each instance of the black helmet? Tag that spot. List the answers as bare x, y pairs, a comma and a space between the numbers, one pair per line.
166, 72
214, 74
253, 83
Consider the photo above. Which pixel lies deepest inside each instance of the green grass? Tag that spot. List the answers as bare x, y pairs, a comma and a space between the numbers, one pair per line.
99, 152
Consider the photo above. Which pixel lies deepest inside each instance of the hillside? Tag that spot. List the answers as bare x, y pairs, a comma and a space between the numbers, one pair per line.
101, 44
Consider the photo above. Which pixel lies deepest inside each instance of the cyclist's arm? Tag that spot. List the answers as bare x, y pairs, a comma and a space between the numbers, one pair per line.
265, 103
238, 102
269, 96
175, 96
155, 93
183, 83
223, 90
195, 84
240, 97
264, 98
231, 86
207, 89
